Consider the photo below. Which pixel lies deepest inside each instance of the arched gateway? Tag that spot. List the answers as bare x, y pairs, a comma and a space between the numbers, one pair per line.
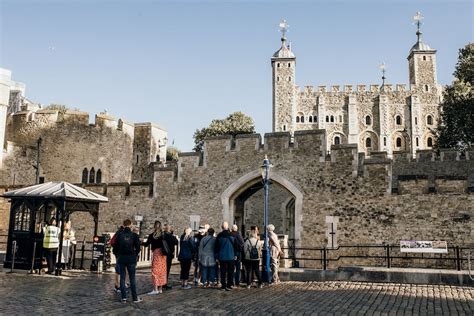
290, 207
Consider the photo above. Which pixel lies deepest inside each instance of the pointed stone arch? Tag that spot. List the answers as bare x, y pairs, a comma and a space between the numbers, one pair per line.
246, 181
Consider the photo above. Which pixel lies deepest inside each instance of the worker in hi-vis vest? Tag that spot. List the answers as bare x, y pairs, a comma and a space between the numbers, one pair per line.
51, 244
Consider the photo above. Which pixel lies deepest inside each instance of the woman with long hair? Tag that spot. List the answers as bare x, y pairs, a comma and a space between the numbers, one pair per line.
158, 265
186, 253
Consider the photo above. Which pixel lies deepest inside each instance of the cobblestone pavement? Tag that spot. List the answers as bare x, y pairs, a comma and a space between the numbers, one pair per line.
85, 293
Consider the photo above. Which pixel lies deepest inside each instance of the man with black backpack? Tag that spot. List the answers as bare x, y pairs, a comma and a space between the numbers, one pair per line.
252, 251
128, 248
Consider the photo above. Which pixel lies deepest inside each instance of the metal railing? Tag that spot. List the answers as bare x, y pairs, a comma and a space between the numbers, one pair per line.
384, 255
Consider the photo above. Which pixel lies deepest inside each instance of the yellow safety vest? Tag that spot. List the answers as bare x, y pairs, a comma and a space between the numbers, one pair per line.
51, 234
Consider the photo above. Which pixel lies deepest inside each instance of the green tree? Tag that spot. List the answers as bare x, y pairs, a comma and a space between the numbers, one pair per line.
456, 128
172, 153
235, 123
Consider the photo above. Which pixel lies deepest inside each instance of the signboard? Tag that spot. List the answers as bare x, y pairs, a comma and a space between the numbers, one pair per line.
98, 248
437, 246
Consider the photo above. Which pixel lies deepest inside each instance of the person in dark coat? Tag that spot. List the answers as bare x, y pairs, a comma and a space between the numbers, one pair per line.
128, 245
173, 242
239, 240
226, 249
185, 257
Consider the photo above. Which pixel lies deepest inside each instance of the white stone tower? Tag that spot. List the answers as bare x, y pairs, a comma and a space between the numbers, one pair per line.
283, 85
5, 83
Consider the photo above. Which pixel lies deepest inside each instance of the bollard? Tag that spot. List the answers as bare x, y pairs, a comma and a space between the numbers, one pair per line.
458, 259
33, 259
82, 256
14, 254
388, 256
324, 259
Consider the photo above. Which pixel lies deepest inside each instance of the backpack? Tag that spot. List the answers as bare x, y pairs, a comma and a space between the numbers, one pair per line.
126, 242
253, 251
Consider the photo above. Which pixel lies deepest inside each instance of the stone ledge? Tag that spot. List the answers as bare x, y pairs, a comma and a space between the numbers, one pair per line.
383, 275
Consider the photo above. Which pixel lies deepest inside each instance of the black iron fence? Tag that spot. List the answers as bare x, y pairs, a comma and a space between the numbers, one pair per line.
385, 255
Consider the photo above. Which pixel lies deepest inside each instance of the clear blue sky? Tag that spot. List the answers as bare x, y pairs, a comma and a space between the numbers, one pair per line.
182, 63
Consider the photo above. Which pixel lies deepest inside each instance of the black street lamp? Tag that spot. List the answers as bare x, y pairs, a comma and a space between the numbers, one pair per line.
266, 273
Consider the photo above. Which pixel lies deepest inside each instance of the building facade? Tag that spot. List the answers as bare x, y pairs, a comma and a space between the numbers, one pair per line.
376, 117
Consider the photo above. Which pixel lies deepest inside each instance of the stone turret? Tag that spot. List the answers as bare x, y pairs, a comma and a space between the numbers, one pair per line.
283, 82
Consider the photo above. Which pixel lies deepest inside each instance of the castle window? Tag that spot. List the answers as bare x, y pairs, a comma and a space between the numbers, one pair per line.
385, 141
278, 78
340, 118
424, 57
137, 159
426, 88
368, 142
368, 120
310, 119
398, 120
297, 119
85, 175
98, 178
429, 142
315, 119
302, 119
337, 140
284, 127
332, 118
399, 142
429, 120
416, 139
327, 118
289, 65
416, 121
289, 78
278, 65
92, 175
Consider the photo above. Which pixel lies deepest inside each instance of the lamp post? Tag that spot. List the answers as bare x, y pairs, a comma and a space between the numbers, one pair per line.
266, 273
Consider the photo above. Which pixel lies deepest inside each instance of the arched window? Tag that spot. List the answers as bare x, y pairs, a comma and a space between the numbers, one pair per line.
398, 120
92, 175
98, 178
310, 119
85, 175
385, 141
284, 127
297, 119
399, 142
332, 118
278, 65
416, 121
429, 142
429, 120
315, 119
368, 142
426, 88
424, 57
368, 120
327, 118
337, 140
302, 119
289, 65
417, 144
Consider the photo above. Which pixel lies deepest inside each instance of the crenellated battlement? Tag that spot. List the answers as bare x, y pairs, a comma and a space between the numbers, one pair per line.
352, 89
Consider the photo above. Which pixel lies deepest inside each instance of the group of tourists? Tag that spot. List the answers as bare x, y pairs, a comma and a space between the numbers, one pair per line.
51, 236
217, 258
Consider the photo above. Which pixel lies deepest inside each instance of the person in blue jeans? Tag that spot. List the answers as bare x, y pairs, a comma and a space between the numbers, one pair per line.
207, 260
128, 248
